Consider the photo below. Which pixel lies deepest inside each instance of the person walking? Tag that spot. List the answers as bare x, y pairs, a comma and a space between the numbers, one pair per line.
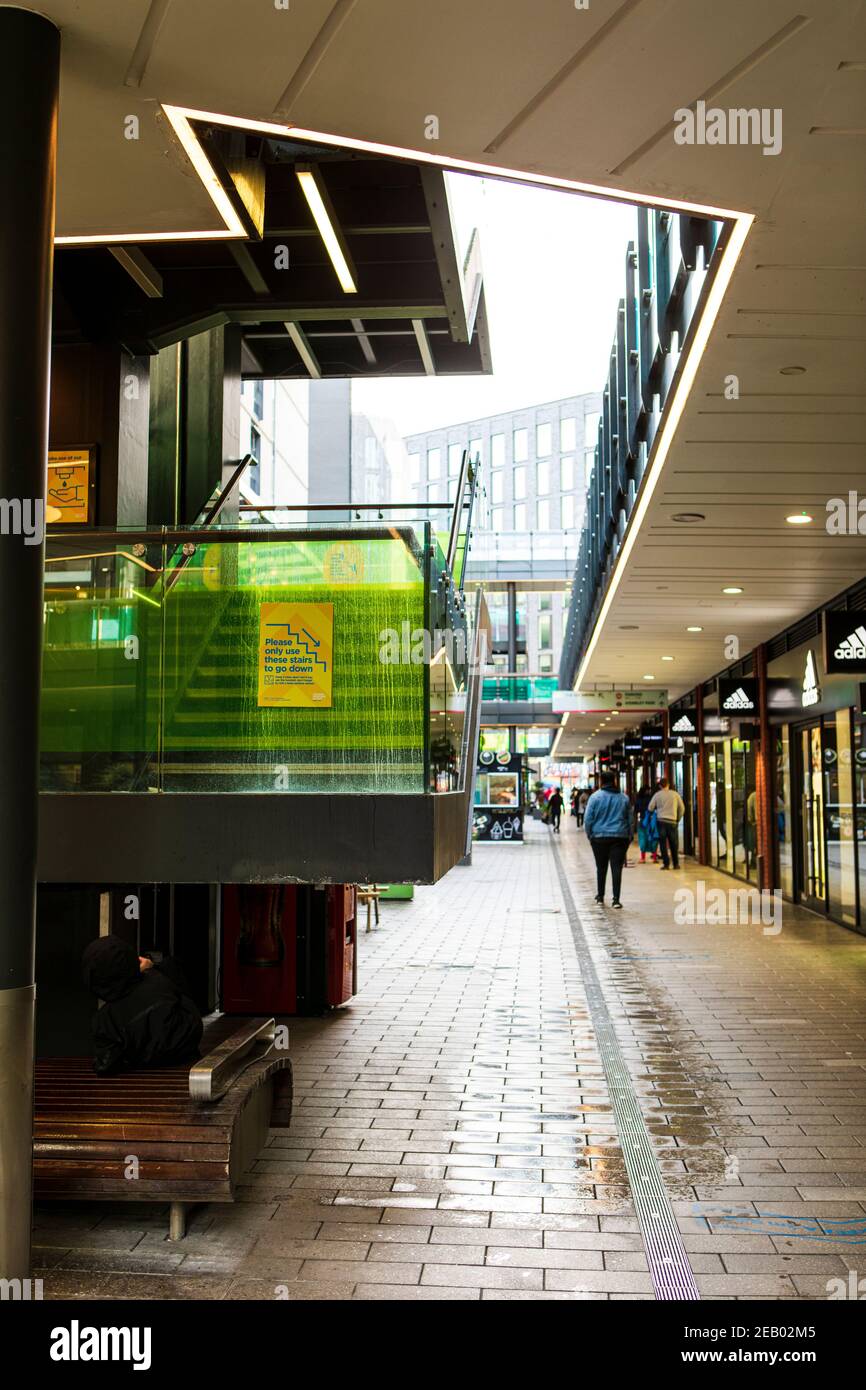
608, 824
669, 809
573, 802
647, 826
555, 807
581, 806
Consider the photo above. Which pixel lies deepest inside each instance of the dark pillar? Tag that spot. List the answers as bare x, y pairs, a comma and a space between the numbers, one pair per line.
703, 792
29, 75
764, 780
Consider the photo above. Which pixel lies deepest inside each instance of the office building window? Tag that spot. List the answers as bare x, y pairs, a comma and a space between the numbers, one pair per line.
497, 450
566, 474
545, 662
567, 434
543, 512
434, 463
567, 513
519, 480
452, 489
496, 518
521, 445
544, 631
590, 426
543, 439
545, 603
588, 464
520, 516
455, 454
476, 449
254, 470
259, 399
497, 488
437, 492
542, 478
414, 468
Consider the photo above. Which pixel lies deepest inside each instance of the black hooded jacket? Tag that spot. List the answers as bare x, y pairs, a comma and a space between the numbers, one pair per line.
146, 1020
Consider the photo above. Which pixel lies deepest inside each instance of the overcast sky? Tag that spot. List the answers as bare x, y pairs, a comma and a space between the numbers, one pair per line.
554, 270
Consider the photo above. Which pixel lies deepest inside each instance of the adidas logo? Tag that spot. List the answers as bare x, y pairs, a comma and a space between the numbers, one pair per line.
739, 700
683, 726
854, 646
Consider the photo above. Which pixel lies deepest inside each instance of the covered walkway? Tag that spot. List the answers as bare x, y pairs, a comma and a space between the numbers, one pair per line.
459, 1128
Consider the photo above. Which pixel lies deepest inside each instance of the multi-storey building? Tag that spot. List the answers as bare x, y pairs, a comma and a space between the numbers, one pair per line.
275, 430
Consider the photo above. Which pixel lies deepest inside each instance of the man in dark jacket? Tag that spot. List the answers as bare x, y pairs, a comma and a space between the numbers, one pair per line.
555, 807
147, 1020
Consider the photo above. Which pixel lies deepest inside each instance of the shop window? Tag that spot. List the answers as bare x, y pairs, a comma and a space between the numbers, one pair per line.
839, 818
784, 823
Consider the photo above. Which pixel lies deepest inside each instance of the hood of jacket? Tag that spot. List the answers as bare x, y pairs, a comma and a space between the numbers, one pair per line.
110, 968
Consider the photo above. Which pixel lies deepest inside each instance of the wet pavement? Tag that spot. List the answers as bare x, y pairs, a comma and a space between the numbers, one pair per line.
454, 1136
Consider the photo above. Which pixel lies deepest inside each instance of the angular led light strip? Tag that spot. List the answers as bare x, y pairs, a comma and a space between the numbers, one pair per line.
311, 187
180, 118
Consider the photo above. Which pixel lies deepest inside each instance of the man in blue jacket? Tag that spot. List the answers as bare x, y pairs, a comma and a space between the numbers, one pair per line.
608, 823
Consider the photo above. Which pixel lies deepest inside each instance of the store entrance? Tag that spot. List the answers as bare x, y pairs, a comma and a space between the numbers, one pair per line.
812, 865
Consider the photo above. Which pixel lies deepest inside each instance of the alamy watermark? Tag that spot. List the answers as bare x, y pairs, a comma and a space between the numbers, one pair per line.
736, 907
23, 517
420, 646
846, 516
738, 126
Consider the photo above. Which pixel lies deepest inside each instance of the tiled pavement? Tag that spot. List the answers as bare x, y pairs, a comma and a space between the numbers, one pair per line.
453, 1136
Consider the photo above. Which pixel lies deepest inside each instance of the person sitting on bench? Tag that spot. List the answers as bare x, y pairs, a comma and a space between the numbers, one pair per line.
147, 1018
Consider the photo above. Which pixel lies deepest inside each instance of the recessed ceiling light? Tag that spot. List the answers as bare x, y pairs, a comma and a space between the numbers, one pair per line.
732, 589
791, 371
649, 678
667, 658
798, 519
688, 518
694, 629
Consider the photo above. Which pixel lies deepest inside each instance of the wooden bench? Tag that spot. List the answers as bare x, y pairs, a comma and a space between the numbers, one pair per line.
156, 1136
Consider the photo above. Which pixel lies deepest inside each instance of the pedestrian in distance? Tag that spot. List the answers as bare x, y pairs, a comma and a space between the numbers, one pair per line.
669, 809
581, 806
647, 826
608, 824
555, 807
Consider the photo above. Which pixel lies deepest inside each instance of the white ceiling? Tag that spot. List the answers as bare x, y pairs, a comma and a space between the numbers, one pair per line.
598, 89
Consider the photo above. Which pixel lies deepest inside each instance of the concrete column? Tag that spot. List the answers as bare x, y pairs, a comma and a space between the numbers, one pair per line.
29, 78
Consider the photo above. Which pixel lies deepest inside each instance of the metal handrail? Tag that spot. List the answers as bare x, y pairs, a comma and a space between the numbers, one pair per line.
210, 516
211, 1077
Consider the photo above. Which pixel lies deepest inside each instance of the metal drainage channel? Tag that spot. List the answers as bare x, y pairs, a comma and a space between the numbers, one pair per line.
672, 1275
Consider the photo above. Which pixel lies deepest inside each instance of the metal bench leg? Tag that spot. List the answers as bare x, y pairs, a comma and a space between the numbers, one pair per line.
177, 1220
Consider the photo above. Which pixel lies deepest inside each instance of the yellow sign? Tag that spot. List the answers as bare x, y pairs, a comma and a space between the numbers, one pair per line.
343, 563
68, 485
296, 652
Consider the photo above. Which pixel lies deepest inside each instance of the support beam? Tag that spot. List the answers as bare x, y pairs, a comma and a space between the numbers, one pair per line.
253, 276
363, 339
29, 78
305, 352
139, 269
424, 346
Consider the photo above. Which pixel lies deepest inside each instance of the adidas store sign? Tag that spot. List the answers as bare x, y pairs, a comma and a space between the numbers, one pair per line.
738, 696
811, 689
684, 722
844, 642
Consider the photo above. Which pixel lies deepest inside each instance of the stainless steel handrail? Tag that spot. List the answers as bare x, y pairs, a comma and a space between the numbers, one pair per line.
212, 1076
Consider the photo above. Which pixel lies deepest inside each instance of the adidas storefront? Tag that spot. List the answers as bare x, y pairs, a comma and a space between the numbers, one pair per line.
730, 714
816, 675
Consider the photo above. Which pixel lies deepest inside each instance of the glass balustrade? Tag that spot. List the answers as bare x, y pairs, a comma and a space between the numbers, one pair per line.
304, 658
